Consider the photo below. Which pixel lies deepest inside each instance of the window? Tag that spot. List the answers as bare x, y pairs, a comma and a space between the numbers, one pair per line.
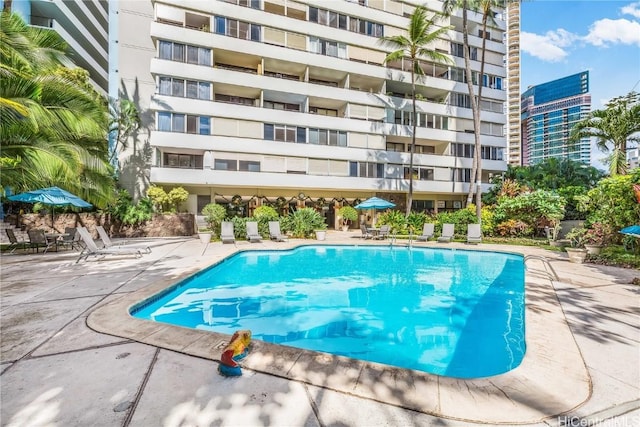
164, 86
183, 53
461, 175
205, 126
178, 122
177, 87
225, 165
183, 161
164, 121
366, 170
221, 24
249, 166
268, 132
301, 135
323, 111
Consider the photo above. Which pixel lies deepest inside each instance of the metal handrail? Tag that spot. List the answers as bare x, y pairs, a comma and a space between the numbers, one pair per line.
547, 265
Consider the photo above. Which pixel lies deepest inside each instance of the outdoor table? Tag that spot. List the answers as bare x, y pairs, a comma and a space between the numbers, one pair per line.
55, 237
373, 230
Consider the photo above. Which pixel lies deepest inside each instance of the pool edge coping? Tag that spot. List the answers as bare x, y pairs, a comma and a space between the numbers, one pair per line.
501, 399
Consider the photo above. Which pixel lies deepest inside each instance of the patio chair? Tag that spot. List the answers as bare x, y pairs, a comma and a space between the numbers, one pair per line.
108, 243
427, 232
252, 232
226, 234
38, 239
92, 249
71, 238
14, 242
365, 232
383, 232
447, 233
474, 233
275, 233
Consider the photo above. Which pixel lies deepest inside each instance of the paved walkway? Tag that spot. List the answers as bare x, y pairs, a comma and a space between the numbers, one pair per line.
582, 365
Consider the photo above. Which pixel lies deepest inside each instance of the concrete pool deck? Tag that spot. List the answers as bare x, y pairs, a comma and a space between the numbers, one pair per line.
72, 355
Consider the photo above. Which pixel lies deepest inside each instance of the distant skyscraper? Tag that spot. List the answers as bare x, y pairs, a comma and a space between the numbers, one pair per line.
549, 112
514, 149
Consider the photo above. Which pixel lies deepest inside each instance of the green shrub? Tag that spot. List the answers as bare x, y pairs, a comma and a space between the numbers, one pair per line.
415, 222
167, 202
347, 214
303, 222
128, 213
214, 214
514, 228
262, 215
395, 220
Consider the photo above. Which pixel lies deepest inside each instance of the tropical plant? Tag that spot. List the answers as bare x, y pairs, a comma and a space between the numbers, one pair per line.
394, 219
613, 127
613, 202
175, 197
53, 130
422, 34
347, 215
126, 212
514, 228
536, 209
598, 234
302, 223
214, 214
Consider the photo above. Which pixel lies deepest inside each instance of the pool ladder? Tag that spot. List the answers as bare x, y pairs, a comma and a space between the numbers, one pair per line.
547, 266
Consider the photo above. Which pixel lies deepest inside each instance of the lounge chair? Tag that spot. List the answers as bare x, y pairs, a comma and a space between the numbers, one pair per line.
252, 232
474, 233
383, 232
365, 232
92, 249
108, 243
226, 232
14, 242
38, 239
274, 232
427, 232
447, 233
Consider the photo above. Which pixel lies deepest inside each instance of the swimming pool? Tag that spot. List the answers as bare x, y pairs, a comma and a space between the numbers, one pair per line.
457, 313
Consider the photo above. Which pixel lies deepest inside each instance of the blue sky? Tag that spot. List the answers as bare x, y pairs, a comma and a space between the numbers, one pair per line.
563, 37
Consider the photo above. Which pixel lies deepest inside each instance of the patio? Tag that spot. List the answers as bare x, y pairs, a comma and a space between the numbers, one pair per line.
583, 337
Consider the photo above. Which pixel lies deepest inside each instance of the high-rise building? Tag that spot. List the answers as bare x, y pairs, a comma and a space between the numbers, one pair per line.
84, 27
549, 112
291, 103
514, 140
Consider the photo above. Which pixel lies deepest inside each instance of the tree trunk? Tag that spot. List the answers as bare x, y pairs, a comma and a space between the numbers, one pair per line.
474, 102
478, 148
413, 138
7, 6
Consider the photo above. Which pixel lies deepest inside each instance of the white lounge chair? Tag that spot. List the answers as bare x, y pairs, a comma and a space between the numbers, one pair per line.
474, 233
92, 249
226, 233
108, 243
448, 231
275, 233
252, 232
427, 232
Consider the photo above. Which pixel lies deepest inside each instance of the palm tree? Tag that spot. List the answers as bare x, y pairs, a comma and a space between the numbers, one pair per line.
616, 125
53, 130
485, 7
421, 34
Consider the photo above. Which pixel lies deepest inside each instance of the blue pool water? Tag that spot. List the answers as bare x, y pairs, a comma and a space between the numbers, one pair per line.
457, 313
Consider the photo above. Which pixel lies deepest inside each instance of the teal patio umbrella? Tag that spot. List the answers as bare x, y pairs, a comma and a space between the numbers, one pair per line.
375, 203
52, 196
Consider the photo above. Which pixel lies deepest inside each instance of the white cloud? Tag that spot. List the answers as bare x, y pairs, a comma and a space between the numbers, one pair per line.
632, 9
548, 47
612, 31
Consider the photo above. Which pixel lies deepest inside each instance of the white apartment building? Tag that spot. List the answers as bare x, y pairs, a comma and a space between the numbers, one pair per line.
82, 24
290, 103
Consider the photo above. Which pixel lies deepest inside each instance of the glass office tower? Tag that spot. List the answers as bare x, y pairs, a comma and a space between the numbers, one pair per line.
548, 113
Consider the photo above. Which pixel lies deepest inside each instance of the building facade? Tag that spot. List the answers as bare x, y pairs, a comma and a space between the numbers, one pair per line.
83, 25
290, 103
549, 112
514, 138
